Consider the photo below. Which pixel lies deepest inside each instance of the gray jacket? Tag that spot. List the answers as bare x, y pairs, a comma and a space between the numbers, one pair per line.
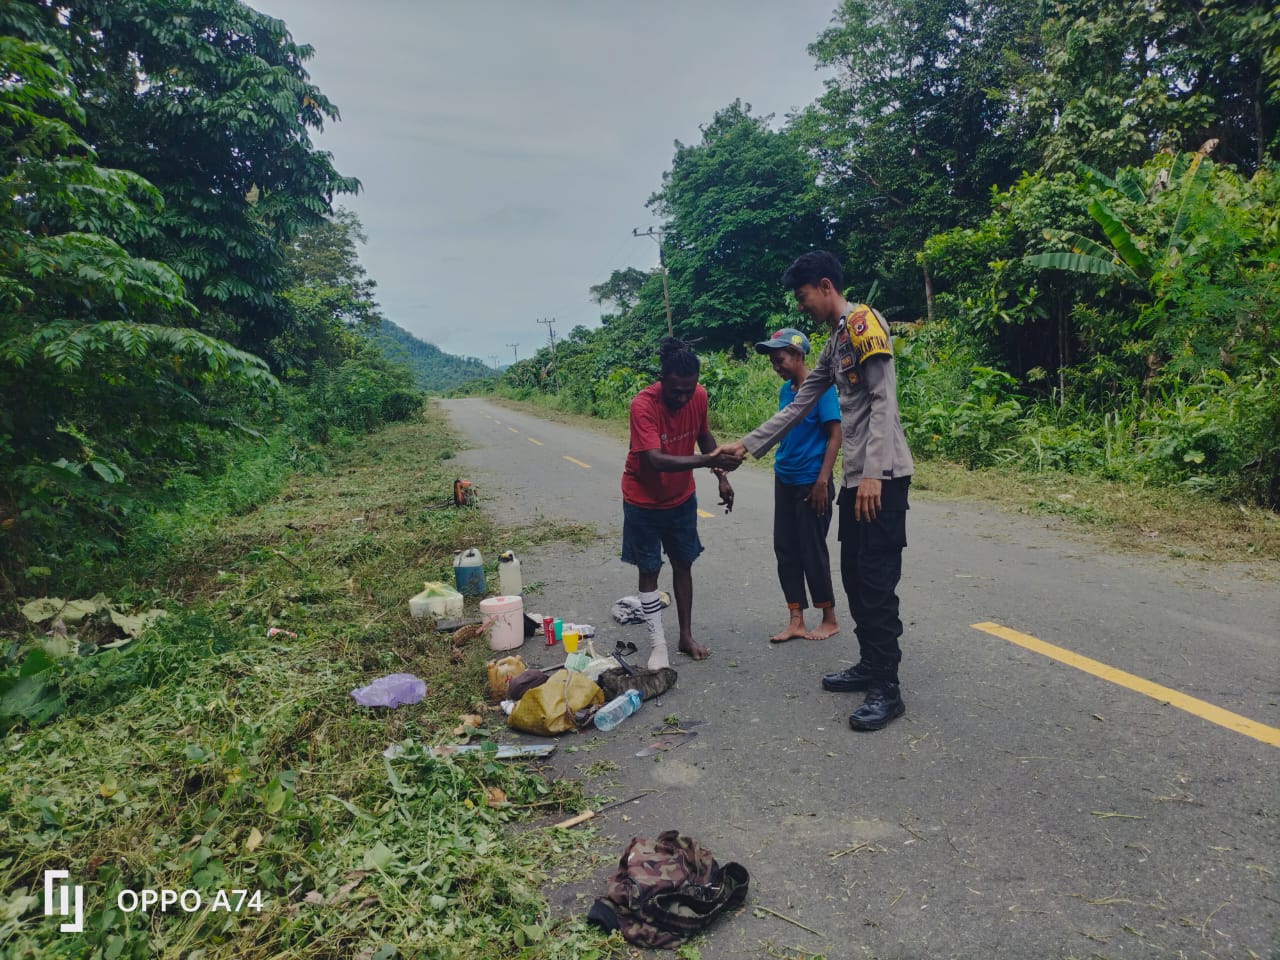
858, 359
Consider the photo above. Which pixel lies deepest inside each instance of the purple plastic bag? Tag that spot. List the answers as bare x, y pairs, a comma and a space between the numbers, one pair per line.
390, 691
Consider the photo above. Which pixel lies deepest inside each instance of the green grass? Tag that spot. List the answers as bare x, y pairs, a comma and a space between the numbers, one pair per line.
208, 756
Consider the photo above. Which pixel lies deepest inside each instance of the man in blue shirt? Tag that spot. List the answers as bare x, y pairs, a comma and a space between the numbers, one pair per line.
803, 492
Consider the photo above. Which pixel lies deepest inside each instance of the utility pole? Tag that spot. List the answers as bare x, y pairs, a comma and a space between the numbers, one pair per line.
515, 352
662, 262
493, 360
551, 330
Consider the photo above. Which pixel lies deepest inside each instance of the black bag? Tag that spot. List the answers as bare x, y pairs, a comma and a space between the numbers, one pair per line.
666, 890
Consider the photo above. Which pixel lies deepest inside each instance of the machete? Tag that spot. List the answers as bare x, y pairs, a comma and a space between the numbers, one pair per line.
584, 817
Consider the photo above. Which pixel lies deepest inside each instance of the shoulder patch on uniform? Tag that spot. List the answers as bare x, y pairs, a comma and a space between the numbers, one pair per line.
869, 336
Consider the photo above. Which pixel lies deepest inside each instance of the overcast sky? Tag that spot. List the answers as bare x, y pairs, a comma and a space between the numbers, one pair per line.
507, 147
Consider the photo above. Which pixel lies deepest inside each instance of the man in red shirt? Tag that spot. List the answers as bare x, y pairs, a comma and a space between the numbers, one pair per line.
659, 502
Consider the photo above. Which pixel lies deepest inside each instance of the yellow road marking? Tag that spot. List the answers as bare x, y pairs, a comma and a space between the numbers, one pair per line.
584, 466
1201, 708
513, 429
538, 442
703, 513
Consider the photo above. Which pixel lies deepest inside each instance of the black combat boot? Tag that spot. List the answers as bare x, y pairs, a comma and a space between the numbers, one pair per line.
883, 704
855, 678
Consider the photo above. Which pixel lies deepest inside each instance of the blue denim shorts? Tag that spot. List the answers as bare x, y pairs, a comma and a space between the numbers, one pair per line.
646, 533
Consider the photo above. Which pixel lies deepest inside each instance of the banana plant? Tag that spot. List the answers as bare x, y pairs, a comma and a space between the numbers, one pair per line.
1126, 259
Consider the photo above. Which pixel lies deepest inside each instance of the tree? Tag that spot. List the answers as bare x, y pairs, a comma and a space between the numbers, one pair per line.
915, 129
95, 371
739, 207
330, 296
1122, 81
621, 289
208, 101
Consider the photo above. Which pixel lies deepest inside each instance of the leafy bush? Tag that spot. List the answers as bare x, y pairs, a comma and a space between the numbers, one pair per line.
357, 395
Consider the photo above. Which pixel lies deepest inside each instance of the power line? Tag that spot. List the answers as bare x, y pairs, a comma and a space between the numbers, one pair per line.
551, 331
515, 352
656, 234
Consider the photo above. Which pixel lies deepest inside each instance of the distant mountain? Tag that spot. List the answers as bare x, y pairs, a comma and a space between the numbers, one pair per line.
433, 369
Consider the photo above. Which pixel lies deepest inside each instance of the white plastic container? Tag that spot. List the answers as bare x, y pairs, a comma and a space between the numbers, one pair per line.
436, 600
509, 581
504, 618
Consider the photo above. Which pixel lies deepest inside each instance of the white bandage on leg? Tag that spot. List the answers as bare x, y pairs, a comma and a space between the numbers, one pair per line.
651, 606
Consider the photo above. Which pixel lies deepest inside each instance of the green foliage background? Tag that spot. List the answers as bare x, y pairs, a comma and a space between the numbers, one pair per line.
1069, 212
174, 280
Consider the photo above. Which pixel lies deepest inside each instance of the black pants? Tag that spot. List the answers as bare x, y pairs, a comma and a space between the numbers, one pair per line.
800, 544
870, 568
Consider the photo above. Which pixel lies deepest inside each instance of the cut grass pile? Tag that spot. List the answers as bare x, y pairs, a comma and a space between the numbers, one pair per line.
210, 756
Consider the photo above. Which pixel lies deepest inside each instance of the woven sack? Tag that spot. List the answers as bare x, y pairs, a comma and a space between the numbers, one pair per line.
548, 709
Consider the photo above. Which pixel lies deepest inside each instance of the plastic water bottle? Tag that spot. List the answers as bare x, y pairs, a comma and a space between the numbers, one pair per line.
617, 710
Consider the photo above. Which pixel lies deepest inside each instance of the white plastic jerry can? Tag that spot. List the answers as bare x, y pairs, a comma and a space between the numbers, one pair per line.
509, 582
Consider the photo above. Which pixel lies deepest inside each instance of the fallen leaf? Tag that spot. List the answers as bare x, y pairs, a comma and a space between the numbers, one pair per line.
134, 626
254, 841
46, 608
378, 857
345, 889
495, 796
61, 645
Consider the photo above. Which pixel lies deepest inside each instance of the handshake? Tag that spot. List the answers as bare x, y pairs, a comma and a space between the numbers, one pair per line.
727, 456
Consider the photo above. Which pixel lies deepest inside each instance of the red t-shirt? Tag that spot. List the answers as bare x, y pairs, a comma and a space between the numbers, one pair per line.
654, 427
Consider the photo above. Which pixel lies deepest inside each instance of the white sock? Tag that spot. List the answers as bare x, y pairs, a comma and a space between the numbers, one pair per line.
651, 605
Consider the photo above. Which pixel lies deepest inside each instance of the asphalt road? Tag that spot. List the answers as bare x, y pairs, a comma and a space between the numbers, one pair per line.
1031, 803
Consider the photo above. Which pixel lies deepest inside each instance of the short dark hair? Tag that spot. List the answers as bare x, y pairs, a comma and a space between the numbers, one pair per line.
677, 358
811, 267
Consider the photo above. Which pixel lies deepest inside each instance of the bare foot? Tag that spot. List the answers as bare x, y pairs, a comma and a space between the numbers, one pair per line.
823, 630
693, 650
791, 631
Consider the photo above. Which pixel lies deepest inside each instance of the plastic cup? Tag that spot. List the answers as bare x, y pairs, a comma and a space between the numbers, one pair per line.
570, 640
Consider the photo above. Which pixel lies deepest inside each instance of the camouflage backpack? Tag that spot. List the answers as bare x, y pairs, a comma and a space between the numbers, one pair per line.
666, 890
650, 683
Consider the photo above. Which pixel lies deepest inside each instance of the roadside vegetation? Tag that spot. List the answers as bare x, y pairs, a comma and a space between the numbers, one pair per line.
213, 753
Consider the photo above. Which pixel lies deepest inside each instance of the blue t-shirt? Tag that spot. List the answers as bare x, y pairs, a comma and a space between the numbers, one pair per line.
799, 456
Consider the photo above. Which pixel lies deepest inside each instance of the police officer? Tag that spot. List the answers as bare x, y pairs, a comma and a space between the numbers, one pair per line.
858, 359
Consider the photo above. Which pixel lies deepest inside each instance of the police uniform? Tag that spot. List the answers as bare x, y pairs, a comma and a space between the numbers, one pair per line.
858, 359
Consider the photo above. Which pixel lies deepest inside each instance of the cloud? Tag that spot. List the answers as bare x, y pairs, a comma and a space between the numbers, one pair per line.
507, 149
